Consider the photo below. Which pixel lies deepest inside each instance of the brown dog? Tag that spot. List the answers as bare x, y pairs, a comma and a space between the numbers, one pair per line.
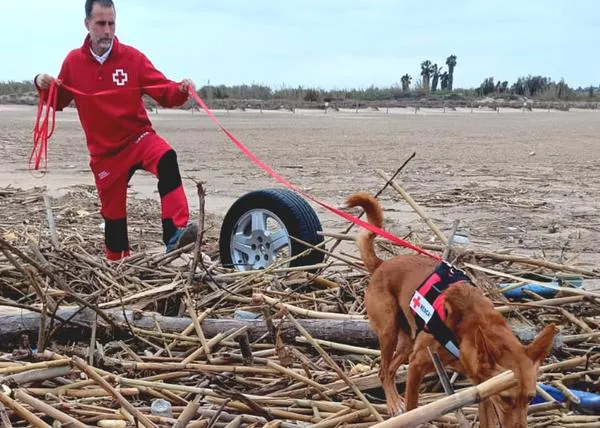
486, 342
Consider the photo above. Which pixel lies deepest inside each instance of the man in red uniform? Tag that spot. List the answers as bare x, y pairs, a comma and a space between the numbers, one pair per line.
120, 137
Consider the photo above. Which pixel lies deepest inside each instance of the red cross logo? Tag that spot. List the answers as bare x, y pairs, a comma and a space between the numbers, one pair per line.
416, 301
119, 77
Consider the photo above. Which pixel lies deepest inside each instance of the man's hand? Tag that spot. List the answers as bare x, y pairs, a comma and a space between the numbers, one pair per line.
43, 81
186, 84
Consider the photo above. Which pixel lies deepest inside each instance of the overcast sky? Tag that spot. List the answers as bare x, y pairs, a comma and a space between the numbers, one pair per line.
323, 43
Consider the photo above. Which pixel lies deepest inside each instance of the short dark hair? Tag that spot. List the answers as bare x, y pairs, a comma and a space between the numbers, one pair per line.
89, 4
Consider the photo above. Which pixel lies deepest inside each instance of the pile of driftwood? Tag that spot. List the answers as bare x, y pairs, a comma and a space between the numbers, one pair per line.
177, 340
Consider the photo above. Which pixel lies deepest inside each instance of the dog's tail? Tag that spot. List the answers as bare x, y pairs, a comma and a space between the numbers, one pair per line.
364, 240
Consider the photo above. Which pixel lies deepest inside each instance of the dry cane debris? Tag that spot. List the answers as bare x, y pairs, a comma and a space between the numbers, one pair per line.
176, 340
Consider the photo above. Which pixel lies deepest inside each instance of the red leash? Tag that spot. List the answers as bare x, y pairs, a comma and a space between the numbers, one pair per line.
40, 149
289, 185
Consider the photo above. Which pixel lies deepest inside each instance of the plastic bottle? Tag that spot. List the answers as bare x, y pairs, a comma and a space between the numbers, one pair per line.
160, 407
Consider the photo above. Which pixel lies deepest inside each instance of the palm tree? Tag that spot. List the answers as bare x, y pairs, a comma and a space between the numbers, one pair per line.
406, 79
563, 89
444, 80
426, 70
437, 71
519, 86
451, 63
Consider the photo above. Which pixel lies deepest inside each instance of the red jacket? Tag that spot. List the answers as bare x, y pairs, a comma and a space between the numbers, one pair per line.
113, 120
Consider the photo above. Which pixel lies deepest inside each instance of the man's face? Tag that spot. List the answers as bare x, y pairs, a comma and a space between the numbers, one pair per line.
101, 26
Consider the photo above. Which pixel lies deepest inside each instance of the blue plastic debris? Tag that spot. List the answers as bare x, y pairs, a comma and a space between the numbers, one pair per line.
245, 315
549, 289
590, 402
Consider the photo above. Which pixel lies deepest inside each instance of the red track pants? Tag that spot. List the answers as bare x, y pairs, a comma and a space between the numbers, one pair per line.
112, 174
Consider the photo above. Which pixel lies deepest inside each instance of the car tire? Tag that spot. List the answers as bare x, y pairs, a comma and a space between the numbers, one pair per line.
256, 229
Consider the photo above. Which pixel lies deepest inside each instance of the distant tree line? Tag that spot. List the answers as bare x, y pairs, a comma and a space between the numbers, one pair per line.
435, 82
13, 87
534, 87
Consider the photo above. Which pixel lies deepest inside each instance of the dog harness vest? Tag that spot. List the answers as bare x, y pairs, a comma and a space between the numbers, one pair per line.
428, 304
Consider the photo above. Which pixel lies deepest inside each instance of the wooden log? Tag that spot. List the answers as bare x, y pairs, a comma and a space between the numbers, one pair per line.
13, 323
189, 412
35, 375
445, 405
81, 392
15, 367
547, 302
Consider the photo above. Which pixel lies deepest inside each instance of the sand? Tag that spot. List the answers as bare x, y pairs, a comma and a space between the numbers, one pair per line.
525, 182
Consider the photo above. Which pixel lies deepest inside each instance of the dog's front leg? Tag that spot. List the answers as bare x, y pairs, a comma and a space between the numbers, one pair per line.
418, 365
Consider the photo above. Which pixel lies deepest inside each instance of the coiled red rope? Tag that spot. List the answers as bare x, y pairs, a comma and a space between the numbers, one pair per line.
44, 127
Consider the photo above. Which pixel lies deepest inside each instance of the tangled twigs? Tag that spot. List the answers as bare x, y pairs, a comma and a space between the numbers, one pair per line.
234, 358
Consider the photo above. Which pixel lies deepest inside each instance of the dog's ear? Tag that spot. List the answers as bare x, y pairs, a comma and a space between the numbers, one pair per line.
486, 352
540, 347
453, 314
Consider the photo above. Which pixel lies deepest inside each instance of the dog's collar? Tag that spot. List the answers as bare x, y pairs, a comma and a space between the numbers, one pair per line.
427, 304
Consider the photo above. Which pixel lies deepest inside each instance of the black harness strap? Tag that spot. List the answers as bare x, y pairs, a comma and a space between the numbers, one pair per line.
427, 304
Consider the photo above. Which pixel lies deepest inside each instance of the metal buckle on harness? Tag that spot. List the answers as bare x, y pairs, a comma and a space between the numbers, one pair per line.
453, 269
449, 265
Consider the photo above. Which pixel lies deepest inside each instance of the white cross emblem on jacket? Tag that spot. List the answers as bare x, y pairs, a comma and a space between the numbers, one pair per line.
119, 77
